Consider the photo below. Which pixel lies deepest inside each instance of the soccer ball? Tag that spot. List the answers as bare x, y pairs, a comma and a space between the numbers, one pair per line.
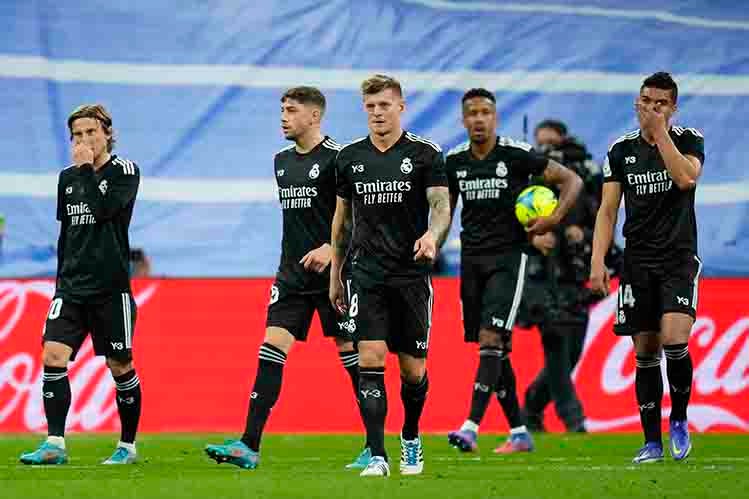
533, 202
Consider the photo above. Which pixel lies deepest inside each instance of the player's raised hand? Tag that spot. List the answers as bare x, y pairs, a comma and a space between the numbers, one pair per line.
599, 279
318, 259
336, 294
651, 119
425, 248
82, 154
541, 225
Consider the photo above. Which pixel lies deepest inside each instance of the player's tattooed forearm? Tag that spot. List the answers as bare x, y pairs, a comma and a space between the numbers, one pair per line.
439, 203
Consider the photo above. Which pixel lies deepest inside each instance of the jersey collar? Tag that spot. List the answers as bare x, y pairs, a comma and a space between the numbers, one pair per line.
395, 144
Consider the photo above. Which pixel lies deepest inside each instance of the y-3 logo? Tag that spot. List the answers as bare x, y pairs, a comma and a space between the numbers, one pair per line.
117, 346
374, 393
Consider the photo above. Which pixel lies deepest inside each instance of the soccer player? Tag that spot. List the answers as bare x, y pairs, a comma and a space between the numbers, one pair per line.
95, 200
656, 169
488, 172
388, 181
305, 174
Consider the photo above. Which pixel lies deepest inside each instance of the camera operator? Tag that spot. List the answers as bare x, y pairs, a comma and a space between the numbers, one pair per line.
556, 297
140, 263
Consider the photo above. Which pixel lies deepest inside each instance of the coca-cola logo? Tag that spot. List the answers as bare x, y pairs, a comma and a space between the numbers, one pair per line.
606, 374
93, 405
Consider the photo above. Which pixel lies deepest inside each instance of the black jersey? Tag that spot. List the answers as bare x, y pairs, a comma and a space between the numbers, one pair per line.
488, 189
660, 219
390, 207
306, 190
95, 209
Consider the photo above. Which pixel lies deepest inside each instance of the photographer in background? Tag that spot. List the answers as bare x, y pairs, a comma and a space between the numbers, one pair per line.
556, 297
553, 141
140, 264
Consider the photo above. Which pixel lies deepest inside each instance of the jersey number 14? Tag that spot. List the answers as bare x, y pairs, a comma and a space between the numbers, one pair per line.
625, 296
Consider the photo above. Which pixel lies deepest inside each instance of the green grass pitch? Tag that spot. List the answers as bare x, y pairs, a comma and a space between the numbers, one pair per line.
311, 466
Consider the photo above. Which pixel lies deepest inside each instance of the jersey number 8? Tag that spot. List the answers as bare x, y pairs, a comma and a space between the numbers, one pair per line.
54, 309
353, 310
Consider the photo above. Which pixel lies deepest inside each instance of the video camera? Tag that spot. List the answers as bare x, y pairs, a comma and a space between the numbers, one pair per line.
573, 154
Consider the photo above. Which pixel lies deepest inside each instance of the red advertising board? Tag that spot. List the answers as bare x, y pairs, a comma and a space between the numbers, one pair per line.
197, 341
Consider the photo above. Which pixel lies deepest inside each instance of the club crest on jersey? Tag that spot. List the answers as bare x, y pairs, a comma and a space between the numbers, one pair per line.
501, 169
69, 189
280, 173
406, 166
315, 171
103, 187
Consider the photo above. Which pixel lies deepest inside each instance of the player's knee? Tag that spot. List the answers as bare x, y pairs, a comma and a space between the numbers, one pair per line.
118, 367
55, 355
647, 344
413, 373
676, 328
372, 353
279, 338
344, 345
491, 338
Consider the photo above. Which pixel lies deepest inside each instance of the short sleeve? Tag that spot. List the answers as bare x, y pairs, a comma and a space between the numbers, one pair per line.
343, 183
534, 162
693, 143
612, 170
60, 203
435, 174
452, 180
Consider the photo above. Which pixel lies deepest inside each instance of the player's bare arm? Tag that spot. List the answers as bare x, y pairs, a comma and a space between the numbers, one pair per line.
684, 169
426, 247
341, 220
603, 234
569, 185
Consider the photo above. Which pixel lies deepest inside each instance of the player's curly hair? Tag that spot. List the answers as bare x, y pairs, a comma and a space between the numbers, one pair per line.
663, 81
306, 95
478, 92
379, 82
100, 114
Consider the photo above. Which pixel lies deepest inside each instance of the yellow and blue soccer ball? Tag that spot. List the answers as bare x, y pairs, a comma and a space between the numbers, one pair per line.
533, 202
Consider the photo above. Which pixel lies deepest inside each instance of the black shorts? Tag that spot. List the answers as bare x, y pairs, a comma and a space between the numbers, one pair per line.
399, 313
111, 322
293, 312
647, 291
491, 289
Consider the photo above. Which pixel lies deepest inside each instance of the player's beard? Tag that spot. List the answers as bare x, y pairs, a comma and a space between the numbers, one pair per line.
480, 139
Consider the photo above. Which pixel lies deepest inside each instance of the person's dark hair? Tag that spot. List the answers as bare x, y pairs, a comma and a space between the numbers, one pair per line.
555, 125
662, 81
100, 114
478, 92
305, 95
